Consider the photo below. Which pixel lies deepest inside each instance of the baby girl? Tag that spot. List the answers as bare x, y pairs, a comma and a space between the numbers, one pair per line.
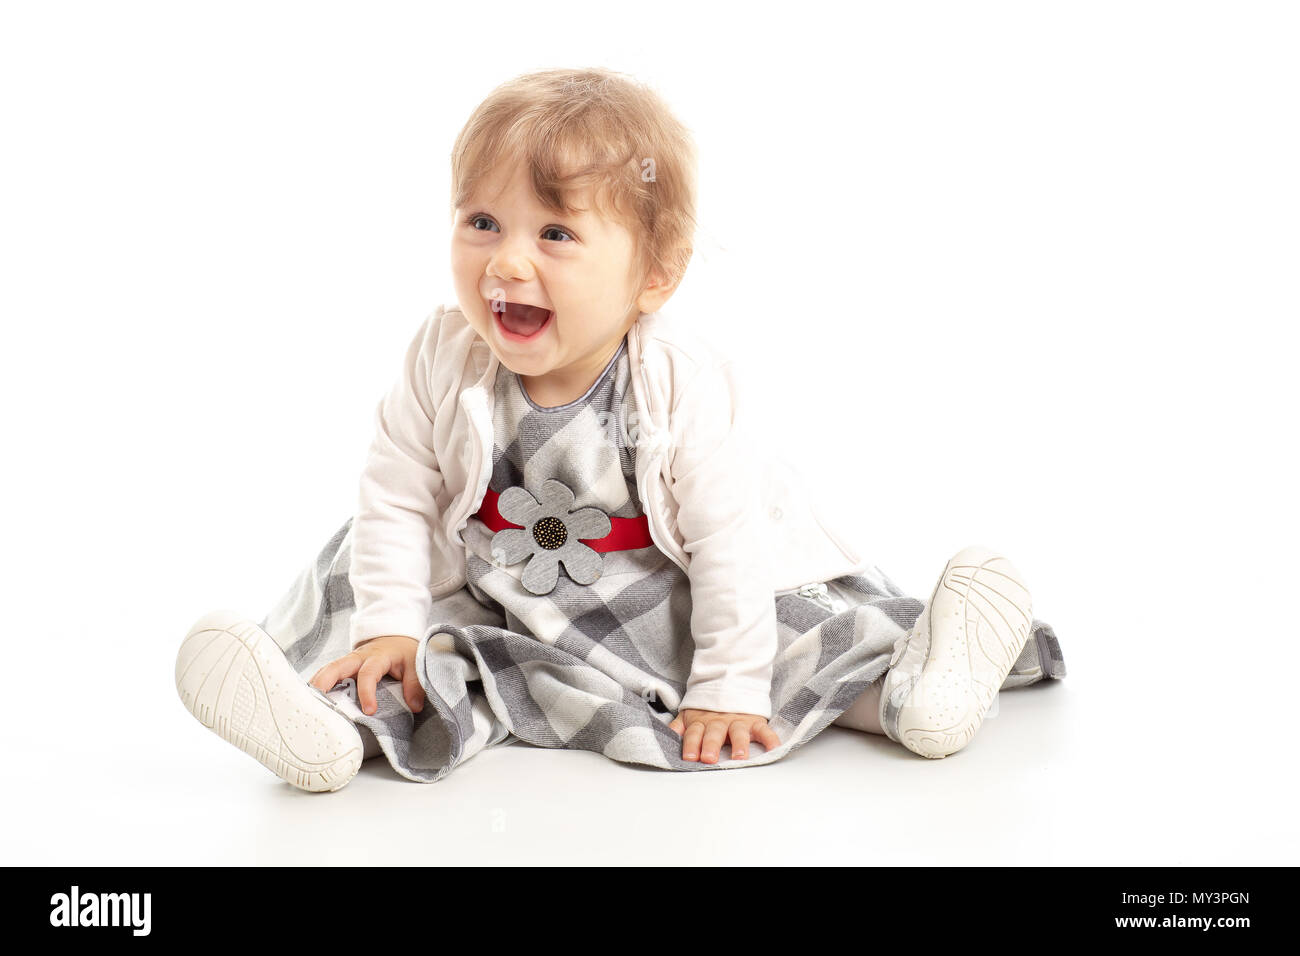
564, 534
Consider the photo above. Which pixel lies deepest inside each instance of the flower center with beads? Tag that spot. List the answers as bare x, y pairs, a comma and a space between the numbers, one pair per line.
550, 533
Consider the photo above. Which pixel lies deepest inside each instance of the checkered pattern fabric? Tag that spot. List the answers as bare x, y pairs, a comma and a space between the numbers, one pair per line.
600, 666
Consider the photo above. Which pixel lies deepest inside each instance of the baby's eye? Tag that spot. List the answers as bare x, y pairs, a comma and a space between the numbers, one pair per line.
473, 221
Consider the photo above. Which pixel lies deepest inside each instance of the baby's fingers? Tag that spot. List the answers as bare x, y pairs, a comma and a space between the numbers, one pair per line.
691, 741
767, 736
333, 672
411, 689
375, 667
715, 735
739, 739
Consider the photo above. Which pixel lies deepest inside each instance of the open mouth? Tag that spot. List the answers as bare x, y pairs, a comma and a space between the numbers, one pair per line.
519, 321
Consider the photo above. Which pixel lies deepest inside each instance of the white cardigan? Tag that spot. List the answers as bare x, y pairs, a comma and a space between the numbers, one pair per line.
736, 521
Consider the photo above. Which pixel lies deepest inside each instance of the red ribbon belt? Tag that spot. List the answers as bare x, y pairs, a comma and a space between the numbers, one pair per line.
625, 534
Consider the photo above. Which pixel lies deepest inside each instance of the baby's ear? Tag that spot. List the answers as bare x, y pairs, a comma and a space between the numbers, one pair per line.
658, 290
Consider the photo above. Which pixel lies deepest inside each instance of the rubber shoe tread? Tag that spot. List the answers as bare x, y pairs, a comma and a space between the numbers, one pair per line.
946, 671
236, 681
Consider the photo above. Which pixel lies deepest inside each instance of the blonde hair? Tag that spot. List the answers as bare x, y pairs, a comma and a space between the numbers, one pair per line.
578, 128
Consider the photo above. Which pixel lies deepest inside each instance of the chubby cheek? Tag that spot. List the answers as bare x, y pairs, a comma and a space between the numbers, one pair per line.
466, 270
466, 283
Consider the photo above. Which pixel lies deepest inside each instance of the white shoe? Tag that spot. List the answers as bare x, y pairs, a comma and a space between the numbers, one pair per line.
947, 670
235, 679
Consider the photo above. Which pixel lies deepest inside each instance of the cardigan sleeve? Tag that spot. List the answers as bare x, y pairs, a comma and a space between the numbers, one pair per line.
716, 483
392, 541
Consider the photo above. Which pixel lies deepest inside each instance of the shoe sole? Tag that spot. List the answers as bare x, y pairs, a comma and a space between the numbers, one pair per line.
236, 681
964, 645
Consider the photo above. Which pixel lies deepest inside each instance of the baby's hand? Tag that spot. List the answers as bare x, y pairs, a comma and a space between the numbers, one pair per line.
393, 654
713, 727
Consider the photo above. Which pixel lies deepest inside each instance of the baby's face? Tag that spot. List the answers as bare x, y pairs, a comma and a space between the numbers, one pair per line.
509, 253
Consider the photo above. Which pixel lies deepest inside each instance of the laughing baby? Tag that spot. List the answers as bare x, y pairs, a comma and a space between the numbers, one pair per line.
566, 534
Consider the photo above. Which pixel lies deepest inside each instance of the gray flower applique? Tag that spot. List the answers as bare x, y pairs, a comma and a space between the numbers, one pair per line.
550, 534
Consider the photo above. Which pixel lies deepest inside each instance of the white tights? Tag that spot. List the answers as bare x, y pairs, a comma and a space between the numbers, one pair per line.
864, 713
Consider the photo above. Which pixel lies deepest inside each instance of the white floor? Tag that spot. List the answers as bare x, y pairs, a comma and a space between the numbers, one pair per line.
1058, 775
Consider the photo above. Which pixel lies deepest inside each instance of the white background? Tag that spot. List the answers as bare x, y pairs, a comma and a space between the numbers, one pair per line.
1022, 274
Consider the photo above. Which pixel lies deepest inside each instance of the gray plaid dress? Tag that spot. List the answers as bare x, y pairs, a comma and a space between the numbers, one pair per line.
526, 651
